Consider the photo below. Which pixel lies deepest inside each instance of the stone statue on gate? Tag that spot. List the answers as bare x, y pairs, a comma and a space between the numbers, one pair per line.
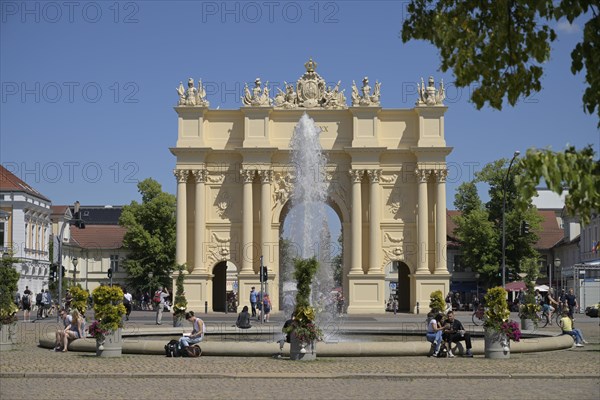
429, 95
192, 96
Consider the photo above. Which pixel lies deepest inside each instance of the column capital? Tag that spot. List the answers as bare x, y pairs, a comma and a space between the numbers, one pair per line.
374, 175
181, 175
247, 175
422, 175
356, 175
266, 176
200, 175
440, 175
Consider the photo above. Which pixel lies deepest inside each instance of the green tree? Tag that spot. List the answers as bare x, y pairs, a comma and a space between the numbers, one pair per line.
478, 237
150, 236
577, 171
502, 45
9, 278
479, 226
337, 263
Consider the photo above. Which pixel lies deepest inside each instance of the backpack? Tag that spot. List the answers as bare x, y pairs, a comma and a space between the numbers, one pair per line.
125, 300
25, 299
38, 298
192, 351
156, 297
173, 349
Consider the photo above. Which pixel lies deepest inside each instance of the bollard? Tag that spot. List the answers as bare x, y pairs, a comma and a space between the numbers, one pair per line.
206, 307
417, 307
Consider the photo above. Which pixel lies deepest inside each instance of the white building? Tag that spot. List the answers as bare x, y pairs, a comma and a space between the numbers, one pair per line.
25, 229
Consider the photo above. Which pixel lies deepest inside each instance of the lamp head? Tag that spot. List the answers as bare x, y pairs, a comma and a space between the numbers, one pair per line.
517, 152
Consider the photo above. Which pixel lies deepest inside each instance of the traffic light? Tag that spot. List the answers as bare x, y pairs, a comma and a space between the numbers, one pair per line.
264, 276
64, 270
524, 228
53, 268
110, 272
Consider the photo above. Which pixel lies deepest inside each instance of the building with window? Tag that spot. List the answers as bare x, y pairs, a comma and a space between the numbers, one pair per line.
88, 253
25, 230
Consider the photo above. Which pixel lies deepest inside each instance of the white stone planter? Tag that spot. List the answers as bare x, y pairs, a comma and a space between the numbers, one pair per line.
111, 346
300, 351
497, 345
527, 324
8, 336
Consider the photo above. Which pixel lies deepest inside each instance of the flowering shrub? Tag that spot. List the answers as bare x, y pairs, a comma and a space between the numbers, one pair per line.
108, 307
8, 315
529, 311
96, 331
511, 330
307, 332
497, 311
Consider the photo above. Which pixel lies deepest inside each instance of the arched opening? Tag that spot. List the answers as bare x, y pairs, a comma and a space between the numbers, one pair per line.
326, 244
403, 287
219, 286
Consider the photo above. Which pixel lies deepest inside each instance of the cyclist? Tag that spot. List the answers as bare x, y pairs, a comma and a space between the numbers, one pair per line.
548, 308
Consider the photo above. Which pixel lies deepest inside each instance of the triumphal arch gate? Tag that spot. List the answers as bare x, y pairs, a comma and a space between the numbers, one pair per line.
386, 176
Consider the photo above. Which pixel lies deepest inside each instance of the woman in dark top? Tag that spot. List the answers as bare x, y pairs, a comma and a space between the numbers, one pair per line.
243, 319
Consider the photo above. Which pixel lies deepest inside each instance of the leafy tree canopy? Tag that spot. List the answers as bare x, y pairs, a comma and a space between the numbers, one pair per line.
576, 171
502, 45
150, 236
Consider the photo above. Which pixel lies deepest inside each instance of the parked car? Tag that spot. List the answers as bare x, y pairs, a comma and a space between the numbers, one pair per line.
592, 311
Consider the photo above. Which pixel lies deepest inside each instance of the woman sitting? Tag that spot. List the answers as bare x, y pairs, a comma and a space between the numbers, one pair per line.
566, 324
243, 319
74, 330
197, 331
435, 331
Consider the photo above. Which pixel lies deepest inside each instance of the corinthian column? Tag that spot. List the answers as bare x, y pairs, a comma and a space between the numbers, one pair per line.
265, 212
441, 267
199, 223
356, 266
422, 223
374, 222
181, 231
248, 177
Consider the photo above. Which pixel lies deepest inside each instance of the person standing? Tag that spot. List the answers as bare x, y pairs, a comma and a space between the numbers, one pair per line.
39, 304
46, 303
164, 294
267, 307
127, 303
26, 301
253, 299
571, 302
395, 305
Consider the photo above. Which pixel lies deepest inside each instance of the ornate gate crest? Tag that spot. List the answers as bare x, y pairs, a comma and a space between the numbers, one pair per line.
310, 86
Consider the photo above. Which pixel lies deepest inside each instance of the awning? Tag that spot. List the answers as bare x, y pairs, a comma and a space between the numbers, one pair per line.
542, 288
515, 286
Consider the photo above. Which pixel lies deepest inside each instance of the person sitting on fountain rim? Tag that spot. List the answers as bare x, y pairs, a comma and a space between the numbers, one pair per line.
455, 332
285, 338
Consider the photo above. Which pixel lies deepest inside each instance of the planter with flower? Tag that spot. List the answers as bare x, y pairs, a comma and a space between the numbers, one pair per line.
529, 309
304, 332
8, 310
499, 330
179, 302
108, 314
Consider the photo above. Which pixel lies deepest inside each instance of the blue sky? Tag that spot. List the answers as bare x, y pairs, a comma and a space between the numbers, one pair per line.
88, 87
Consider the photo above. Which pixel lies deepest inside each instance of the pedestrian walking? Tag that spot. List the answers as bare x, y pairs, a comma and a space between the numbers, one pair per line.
127, 298
253, 299
571, 302
395, 306
46, 303
26, 302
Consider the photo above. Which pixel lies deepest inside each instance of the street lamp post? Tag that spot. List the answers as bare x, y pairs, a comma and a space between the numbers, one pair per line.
477, 279
556, 265
75, 262
515, 155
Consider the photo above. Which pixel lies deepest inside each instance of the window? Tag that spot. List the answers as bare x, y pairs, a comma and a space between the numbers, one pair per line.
114, 262
458, 264
2, 228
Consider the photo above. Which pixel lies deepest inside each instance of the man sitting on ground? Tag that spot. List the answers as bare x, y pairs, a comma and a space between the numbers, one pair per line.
455, 332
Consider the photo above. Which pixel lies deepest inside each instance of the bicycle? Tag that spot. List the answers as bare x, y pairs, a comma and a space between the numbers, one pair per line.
478, 316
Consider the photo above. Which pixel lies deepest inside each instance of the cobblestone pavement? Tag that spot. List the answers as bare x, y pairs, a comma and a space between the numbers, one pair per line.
32, 372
